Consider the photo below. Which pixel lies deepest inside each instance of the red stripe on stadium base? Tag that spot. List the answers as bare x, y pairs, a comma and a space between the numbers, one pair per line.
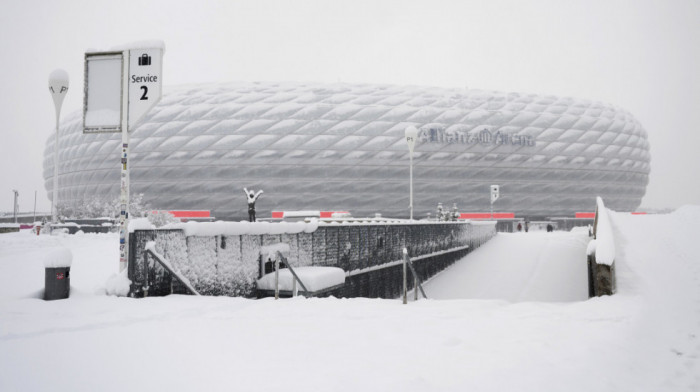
586, 215
486, 215
190, 214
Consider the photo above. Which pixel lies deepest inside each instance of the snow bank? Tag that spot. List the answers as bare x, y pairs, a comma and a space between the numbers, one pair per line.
118, 284
605, 242
58, 258
314, 278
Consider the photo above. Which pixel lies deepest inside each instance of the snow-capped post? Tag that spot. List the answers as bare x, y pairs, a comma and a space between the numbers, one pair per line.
405, 256
277, 277
494, 197
411, 134
121, 86
58, 87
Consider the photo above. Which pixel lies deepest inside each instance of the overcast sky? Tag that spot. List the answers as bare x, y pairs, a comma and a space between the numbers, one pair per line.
642, 56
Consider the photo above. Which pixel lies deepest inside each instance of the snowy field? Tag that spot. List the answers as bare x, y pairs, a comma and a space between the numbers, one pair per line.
642, 339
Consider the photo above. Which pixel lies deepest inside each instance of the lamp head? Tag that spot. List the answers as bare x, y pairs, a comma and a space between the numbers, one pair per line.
411, 134
58, 87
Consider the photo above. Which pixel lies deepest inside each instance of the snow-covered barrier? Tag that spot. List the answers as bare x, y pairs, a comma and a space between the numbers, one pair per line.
601, 254
224, 258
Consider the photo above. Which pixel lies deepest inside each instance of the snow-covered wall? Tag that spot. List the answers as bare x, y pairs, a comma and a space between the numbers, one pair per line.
229, 264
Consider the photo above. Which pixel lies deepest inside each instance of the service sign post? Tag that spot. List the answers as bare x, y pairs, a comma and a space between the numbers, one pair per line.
120, 88
494, 196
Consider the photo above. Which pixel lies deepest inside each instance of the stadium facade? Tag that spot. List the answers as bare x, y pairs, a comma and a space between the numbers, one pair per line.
342, 147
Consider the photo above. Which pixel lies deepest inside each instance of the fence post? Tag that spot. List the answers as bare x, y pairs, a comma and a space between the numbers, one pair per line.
415, 288
277, 278
405, 300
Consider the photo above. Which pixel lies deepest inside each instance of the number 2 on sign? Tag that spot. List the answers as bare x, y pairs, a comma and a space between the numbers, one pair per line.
145, 91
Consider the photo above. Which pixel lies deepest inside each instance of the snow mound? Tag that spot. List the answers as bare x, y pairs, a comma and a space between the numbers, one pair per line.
118, 284
314, 278
58, 258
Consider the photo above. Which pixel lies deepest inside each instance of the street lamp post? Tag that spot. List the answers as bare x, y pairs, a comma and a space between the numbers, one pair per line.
411, 134
58, 87
15, 205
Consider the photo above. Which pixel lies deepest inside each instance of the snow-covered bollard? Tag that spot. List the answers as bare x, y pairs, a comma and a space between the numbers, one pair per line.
57, 274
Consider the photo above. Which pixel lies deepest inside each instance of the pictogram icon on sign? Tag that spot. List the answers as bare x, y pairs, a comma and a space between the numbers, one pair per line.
145, 59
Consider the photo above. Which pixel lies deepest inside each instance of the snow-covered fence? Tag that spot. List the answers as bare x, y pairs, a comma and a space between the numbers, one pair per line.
601, 254
224, 258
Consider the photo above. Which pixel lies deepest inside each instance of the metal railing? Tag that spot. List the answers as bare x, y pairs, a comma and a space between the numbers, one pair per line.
168, 267
416, 280
279, 256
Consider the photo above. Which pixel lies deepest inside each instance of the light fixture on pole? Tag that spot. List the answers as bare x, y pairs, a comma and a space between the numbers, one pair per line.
411, 134
58, 87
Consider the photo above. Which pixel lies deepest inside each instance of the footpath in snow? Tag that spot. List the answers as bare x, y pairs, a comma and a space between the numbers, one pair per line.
644, 338
519, 267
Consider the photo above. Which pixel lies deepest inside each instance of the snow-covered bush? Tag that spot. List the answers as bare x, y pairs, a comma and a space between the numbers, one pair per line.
96, 207
161, 218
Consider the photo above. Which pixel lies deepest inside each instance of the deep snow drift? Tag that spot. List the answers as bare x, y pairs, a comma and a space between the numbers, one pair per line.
642, 339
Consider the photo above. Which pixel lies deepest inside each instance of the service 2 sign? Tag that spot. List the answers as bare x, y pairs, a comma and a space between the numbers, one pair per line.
145, 82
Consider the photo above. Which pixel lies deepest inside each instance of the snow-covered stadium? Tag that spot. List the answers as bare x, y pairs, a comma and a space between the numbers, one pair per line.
341, 147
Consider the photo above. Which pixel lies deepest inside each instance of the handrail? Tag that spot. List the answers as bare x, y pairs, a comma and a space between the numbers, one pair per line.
278, 256
416, 280
166, 264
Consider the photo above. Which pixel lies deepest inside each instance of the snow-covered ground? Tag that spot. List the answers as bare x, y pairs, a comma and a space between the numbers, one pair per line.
519, 267
642, 339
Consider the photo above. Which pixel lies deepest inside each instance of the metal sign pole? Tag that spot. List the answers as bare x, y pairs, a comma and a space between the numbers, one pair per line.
124, 199
411, 184
117, 95
411, 134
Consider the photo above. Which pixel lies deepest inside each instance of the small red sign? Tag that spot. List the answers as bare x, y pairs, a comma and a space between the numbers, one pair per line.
60, 275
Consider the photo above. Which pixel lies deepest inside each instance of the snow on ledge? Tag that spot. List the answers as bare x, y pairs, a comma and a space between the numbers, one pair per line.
314, 278
206, 229
209, 229
145, 44
604, 242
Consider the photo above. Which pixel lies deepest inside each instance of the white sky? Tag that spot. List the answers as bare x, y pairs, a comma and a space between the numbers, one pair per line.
642, 56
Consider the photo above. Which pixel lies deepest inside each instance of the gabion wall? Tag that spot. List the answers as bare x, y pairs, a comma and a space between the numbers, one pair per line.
369, 253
